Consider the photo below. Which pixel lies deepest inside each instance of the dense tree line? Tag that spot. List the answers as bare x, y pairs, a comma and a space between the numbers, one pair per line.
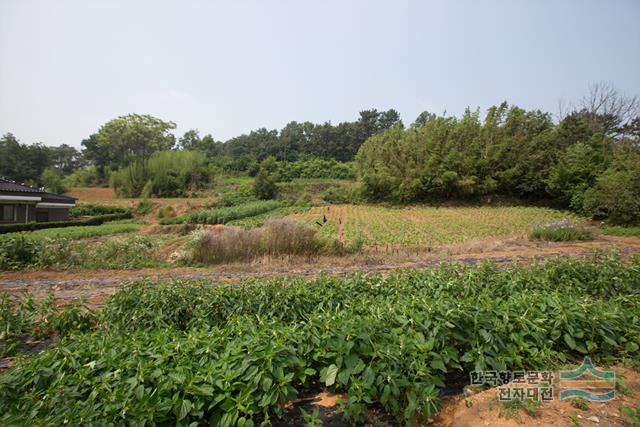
37, 164
588, 161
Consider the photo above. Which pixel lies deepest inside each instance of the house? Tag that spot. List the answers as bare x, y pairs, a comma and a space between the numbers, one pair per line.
20, 203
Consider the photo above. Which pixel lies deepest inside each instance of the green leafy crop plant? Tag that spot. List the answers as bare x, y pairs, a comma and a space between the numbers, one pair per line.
185, 352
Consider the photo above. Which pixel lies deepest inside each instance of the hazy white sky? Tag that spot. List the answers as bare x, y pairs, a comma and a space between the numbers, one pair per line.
68, 66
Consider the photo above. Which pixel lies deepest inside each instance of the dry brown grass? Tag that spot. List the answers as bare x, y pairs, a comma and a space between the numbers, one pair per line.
223, 244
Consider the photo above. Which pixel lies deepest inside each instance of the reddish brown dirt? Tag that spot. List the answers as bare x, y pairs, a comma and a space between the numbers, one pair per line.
92, 193
484, 409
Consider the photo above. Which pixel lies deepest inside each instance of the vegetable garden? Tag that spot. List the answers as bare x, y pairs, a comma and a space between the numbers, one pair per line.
420, 225
187, 352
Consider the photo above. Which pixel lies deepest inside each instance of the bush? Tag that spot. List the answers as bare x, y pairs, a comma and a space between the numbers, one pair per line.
166, 212
616, 195
265, 185
52, 181
561, 232
18, 251
145, 206
86, 177
167, 173
88, 209
96, 220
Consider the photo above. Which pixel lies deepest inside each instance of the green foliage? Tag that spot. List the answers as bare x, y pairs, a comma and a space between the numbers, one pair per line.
265, 184
340, 195
580, 403
81, 232
622, 231
27, 162
85, 177
225, 215
185, 352
529, 405
261, 219
239, 195
165, 174
128, 139
52, 180
144, 207
633, 414
96, 220
21, 251
17, 251
89, 209
314, 168
134, 251
513, 152
561, 233
166, 212
26, 317
616, 193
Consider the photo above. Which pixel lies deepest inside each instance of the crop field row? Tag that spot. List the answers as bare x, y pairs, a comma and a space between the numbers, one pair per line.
419, 225
82, 232
189, 353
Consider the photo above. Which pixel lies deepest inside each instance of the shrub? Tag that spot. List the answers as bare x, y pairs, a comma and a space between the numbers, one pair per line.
167, 174
562, 231
52, 181
18, 251
85, 177
145, 206
166, 212
265, 184
89, 209
616, 195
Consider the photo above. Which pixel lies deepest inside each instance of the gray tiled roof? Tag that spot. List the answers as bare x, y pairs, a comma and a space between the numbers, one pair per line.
7, 185
15, 187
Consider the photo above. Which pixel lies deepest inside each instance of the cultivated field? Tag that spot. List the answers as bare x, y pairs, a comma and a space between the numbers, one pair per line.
421, 225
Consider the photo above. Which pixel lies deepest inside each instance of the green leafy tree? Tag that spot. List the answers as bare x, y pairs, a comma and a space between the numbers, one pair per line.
190, 140
126, 139
52, 180
265, 185
616, 193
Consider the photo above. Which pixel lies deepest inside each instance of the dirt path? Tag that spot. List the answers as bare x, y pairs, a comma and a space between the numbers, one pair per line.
95, 285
